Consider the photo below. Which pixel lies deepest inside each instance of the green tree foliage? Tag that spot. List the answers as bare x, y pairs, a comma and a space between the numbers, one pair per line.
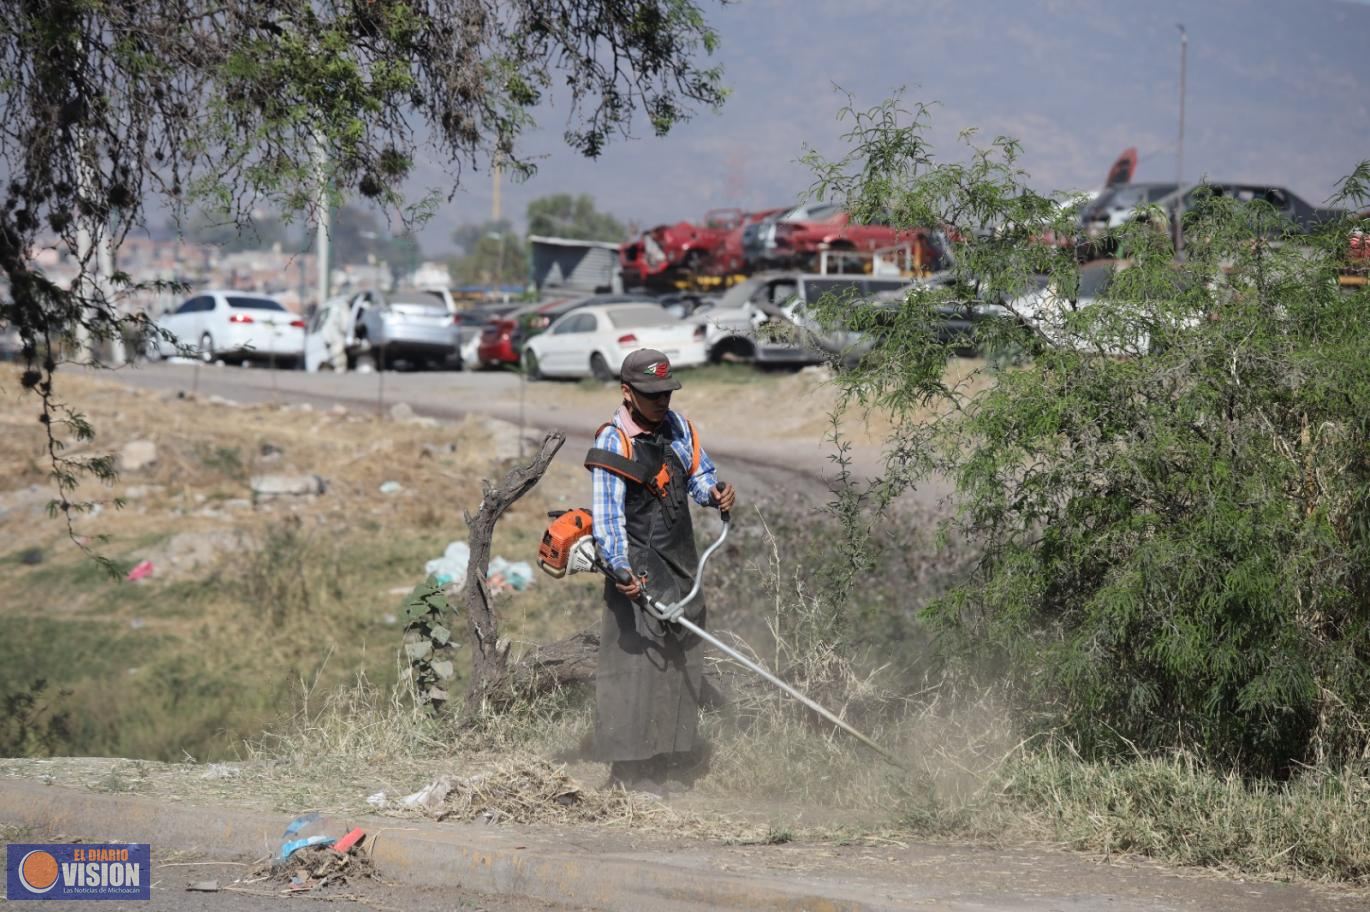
1170, 497
575, 217
107, 106
493, 254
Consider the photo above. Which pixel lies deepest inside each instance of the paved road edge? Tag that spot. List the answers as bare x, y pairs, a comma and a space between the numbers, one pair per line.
482, 859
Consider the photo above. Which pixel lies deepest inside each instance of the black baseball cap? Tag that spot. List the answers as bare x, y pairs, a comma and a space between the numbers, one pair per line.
648, 371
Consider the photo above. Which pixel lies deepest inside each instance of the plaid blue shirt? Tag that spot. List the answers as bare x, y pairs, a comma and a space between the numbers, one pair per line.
608, 489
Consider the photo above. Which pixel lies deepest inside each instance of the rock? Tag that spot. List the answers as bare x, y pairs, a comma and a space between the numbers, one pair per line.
238, 503
138, 492
339, 410
287, 486
423, 421
187, 552
137, 455
504, 437
31, 557
401, 411
220, 400
269, 452
28, 502
220, 771
391, 487
437, 450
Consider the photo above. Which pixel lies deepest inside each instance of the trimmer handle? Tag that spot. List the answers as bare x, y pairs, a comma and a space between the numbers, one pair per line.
725, 515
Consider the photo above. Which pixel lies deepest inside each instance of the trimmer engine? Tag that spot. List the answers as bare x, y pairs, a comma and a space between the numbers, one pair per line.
567, 545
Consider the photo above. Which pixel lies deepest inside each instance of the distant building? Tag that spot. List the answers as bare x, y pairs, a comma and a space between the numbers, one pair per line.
562, 263
431, 275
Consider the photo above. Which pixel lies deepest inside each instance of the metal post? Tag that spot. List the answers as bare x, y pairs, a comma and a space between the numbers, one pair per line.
323, 220
1179, 154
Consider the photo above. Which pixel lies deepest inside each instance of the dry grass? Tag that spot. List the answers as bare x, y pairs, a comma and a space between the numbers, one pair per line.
208, 650
290, 618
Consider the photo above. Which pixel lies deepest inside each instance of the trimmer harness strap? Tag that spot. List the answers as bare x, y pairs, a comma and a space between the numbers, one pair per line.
626, 467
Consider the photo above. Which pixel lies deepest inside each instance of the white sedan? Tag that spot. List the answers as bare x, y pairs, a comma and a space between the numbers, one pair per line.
232, 324
593, 341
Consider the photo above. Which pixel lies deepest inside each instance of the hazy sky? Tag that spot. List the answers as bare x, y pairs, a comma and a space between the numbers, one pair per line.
1278, 91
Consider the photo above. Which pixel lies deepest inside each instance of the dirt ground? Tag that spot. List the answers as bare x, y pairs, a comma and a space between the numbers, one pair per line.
219, 641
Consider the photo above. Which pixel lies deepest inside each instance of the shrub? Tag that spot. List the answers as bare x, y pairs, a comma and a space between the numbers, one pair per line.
1170, 497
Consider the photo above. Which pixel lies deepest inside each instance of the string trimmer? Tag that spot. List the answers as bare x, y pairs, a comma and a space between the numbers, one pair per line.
568, 547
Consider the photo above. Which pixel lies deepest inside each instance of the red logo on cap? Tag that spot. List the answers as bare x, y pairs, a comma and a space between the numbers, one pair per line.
659, 369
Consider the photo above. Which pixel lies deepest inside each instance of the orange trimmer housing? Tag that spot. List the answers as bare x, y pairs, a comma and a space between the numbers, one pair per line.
566, 529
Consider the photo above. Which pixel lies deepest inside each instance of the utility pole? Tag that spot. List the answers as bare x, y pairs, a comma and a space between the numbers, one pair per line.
1179, 149
322, 245
496, 171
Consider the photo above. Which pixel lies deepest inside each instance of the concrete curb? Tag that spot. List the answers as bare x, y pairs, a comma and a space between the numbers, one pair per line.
481, 858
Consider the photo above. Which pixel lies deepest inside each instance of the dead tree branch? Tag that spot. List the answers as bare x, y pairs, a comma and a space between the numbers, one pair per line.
489, 656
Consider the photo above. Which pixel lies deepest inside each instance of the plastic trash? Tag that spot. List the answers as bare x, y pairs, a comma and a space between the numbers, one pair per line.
451, 567
391, 487
347, 842
517, 576
141, 570
307, 830
294, 845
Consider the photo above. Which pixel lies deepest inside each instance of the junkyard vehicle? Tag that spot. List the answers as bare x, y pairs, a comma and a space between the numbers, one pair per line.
767, 319
1113, 208
1122, 204
1048, 307
592, 341
730, 257
798, 242
411, 327
472, 324
502, 338
328, 336
758, 239
666, 252
232, 326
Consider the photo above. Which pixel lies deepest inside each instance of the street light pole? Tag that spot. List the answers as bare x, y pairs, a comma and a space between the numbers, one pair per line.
1179, 153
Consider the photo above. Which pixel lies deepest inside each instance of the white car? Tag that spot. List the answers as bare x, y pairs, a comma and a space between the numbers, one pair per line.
593, 341
235, 325
1059, 315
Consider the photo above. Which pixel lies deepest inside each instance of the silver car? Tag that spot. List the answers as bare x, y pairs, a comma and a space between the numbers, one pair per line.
413, 327
766, 318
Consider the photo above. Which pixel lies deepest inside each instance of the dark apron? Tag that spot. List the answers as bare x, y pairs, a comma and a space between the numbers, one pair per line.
647, 686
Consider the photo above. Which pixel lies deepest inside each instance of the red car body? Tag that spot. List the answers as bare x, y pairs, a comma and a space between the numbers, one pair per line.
665, 251
800, 243
501, 339
1358, 246
730, 257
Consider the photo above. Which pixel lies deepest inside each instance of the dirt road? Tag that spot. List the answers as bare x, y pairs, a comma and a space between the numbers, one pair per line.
428, 865
773, 427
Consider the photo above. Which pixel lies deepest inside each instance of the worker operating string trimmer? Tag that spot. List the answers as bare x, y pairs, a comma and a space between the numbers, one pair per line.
647, 463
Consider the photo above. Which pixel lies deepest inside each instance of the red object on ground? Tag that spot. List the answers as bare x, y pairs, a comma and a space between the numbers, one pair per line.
140, 571
348, 841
